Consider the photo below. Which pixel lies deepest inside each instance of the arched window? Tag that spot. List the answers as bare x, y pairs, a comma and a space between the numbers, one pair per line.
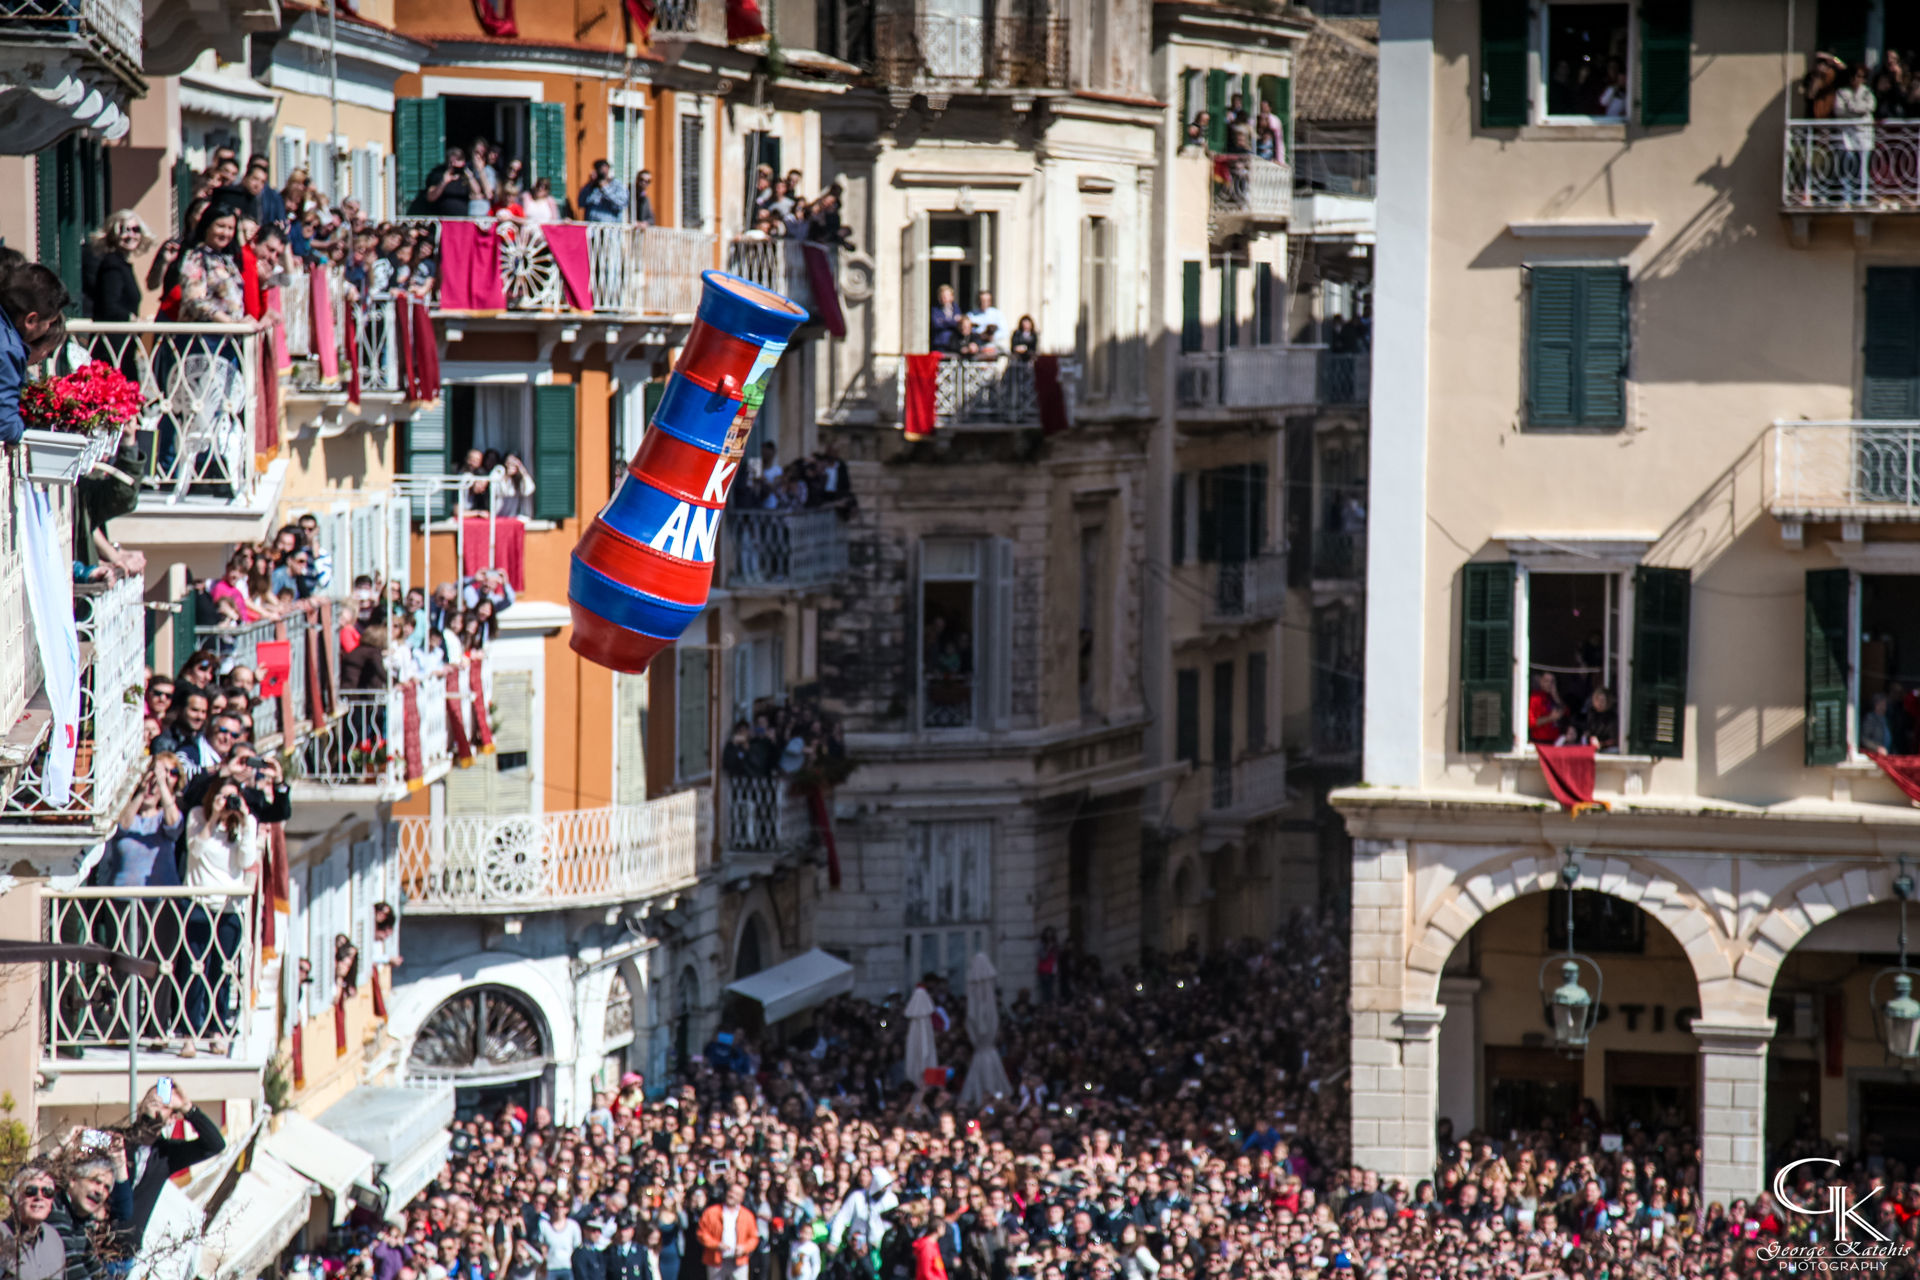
750, 957
482, 1031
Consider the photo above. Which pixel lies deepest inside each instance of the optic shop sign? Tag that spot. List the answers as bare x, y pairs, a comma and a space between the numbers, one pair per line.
1637, 1016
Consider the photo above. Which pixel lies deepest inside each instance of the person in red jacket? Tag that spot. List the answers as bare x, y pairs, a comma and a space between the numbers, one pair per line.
927, 1262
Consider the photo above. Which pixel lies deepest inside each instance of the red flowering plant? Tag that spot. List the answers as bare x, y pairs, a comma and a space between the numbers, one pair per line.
97, 397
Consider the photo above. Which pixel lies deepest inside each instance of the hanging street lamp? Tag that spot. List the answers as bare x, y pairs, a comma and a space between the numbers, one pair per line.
1571, 1010
1898, 1017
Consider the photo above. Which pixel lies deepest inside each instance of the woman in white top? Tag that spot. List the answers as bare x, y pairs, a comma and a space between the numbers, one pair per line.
223, 849
540, 204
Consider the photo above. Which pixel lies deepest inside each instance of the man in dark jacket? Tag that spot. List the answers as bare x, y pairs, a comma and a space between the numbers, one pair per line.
156, 1155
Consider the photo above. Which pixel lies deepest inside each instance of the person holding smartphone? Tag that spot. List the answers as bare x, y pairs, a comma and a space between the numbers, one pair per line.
223, 851
451, 187
154, 1151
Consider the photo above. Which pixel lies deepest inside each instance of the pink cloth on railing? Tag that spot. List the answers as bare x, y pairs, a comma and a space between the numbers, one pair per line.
477, 684
266, 421
509, 549
826, 289
353, 354
282, 357
470, 268
412, 758
568, 244
326, 343
425, 343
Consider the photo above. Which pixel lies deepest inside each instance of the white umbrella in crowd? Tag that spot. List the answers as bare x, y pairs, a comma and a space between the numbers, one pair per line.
987, 1077
922, 1053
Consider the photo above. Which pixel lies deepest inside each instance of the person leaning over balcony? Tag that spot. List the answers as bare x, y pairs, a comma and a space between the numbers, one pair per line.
29, 1248
142, 853
111, 289
212, 290
365, 667
295, 574
31, 302
602, 199
322, 560
223, 849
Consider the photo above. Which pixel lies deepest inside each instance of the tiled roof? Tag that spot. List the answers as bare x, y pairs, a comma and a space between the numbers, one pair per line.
1337, 72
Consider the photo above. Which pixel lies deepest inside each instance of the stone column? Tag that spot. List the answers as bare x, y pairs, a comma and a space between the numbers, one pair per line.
1733, 1083
1396, 1080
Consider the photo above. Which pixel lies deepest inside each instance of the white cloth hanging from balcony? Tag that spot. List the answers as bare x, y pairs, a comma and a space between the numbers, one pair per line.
50, 596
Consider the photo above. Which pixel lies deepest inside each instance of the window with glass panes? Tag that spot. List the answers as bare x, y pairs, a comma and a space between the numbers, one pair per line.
948, 896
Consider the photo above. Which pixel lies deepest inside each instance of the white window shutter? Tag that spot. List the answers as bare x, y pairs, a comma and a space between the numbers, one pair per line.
286, 155
389, 180
320, 168
363, 171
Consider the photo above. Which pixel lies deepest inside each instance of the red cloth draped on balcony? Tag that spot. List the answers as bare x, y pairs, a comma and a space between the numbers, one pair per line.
423, 386
923, 386
509, 549
458, 744
275, 888
266, 422
826, 290
282, 358
329, 658
379, 996
353, 354
482, 727
1569, 775
469, 269
640, 14
299, 1054
414, 760
822, 815
496, 18
276, 660
1047, 390
340, 1024
744, 21
320, 302
567, 242
1904, 770
316, 697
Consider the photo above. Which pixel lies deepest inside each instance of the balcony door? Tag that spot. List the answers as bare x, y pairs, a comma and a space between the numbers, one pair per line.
955, 37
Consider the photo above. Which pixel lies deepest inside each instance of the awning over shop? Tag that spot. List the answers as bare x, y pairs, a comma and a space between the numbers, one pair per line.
225, 98
267, 1206
403, 1129
170, 1249
796, 985
325, 1157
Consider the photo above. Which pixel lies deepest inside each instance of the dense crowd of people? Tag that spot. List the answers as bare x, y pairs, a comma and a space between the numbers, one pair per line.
777, 211
982, 333
783, 738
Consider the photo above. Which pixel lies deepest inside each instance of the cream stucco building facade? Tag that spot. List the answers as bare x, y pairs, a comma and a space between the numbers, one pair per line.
1642, 357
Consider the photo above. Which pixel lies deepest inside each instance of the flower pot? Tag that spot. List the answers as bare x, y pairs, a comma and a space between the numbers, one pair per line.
62, 457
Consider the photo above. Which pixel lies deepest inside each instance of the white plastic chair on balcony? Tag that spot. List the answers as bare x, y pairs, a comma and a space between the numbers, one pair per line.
206, 400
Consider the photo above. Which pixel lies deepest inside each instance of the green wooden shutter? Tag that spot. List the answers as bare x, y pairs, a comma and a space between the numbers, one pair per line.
1666, 60
1486, 657
1263, 303
59, 215
1576, 346
550, 144
553, 452
419, 143
1186, 715
1216, 111
1179, 555
1662, 607
1192, 335
1503, 63
1603, 347
1829, 600
1892, 366
1229, 304
427, 451
1840, 28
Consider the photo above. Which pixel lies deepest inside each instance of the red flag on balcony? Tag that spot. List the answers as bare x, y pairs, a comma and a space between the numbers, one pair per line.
923, 383
826, 289
403, 341
496, 18
299, 1055
426, 355
266, 422
379, 996
1569, 775
340, 1024
744, 21
640, 13
276, 661
329, 659
273, 898
325, 341
469, 271
353, 354
416, 767
1904, 770
482, 727
458, 744
1046, 389
567, 242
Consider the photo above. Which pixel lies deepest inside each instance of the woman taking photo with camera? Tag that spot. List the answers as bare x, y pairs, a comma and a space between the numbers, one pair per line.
223, 849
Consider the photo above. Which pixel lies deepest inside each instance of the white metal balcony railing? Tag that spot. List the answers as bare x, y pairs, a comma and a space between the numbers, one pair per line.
779, 265
1250, 377
676, 17
117, 25
792, 549
203, 944
526, 862
635, 269
765, 815
1850, 470
201, 426
1252, 782
112, 629
239, 645
1243, 590
372, 333
19, 650
365, 746
1856, 166
1254, 188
